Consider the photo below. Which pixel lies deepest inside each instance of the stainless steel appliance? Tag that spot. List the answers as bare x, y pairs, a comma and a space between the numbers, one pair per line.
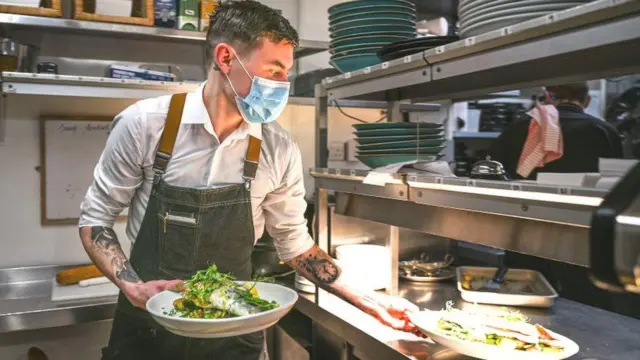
615, 237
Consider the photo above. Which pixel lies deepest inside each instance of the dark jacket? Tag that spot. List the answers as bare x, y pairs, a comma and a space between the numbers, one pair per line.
585, 138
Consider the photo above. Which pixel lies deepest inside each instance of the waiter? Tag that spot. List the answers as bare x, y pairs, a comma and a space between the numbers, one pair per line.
586, 139
202, 174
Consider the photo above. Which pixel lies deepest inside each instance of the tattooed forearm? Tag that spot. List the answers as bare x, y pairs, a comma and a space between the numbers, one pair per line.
318, 267
323, 269
124, 271
104, 237
104, 249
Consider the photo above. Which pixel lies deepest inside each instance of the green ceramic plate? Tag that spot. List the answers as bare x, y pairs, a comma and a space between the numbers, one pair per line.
366, 39
406, 30
339, 52
401, 144
396, 125
376, 161
434, 150
370, 22
396, 132
373, 13
348, 5
390, 139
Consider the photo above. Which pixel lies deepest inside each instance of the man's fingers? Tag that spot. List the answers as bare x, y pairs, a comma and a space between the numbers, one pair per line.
175, 285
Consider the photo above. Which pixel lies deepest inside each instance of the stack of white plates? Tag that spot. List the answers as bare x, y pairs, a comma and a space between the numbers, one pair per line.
481, 16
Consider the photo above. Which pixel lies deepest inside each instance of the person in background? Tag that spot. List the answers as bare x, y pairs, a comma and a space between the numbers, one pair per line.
586, 138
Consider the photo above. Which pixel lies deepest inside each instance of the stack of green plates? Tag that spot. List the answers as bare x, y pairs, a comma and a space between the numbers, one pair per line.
360, 28
382, 144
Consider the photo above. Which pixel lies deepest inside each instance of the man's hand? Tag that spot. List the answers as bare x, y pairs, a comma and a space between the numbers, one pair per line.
138, 293
389, 310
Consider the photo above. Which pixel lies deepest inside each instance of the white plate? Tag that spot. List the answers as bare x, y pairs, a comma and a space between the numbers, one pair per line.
498, 23
217, 328
492, 13
427, 322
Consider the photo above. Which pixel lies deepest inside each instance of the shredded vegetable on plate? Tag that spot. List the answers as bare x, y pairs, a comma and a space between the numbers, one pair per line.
508, 330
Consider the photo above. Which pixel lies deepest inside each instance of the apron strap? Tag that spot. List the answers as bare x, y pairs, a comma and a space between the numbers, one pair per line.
168, 140
251, 160
169, 134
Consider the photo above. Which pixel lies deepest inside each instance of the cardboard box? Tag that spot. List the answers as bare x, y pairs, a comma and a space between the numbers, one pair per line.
207, 8
188, 15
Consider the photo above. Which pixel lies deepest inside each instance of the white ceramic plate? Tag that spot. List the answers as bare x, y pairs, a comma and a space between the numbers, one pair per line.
427, 322
217, 328
498, 23
495, 13
490, 6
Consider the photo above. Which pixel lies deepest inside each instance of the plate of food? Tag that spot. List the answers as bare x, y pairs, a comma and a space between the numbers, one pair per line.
213, 305
506, 335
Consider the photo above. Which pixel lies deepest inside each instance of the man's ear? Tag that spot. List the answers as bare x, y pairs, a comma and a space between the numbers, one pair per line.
222, 56
587, 101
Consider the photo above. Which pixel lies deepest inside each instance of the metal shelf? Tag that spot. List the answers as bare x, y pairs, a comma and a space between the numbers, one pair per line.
306, 47
14, 83
475, 135
543, 220
546, 50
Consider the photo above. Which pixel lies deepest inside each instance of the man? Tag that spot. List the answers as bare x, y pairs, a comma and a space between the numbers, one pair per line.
586, 138
203, 173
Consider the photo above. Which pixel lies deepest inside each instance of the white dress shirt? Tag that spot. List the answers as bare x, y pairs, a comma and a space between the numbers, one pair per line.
124, 175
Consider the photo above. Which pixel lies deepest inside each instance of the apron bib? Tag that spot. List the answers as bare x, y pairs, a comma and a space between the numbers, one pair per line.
185, 230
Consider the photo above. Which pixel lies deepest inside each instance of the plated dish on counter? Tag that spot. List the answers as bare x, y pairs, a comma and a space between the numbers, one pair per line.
506, 335
214, 304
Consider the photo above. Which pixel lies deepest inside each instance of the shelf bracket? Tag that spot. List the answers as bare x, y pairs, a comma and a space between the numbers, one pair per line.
3, 114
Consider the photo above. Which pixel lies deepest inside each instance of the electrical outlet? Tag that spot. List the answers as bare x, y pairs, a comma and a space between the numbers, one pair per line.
351, 150
336, 151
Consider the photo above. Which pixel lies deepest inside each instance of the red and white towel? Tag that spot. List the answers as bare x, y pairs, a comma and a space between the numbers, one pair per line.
544, 140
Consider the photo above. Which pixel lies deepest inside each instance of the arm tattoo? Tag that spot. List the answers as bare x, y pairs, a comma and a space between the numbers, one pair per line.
106, 241
323, 269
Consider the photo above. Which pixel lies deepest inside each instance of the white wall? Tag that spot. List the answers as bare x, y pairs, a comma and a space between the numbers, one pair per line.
26, 242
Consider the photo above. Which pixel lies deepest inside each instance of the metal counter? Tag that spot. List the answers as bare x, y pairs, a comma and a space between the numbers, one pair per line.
25, 304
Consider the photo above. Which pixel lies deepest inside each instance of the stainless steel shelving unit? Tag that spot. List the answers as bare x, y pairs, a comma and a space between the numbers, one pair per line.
307, 47
548, 221
596, 40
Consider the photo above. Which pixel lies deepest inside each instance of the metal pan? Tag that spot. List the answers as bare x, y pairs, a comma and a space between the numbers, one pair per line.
520, 287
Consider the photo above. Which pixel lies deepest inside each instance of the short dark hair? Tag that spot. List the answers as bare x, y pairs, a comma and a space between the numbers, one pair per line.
572, 92
243, 23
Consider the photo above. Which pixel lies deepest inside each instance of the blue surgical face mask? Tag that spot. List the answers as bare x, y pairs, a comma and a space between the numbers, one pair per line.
265, 101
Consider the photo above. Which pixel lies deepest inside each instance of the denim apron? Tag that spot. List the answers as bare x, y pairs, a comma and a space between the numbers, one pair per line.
185, 230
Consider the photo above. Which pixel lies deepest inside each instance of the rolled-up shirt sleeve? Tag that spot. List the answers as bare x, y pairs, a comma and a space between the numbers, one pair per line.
118, 173
284, 210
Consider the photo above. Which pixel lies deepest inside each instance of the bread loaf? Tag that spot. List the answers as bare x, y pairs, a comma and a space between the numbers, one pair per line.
74, 275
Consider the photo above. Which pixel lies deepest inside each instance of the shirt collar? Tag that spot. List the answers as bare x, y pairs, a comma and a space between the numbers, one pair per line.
569, 107
195, 112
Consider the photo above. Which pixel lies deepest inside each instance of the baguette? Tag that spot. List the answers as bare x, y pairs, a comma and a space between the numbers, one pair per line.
74, 275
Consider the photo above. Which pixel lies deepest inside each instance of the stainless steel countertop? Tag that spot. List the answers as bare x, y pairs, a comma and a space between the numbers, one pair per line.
25, 304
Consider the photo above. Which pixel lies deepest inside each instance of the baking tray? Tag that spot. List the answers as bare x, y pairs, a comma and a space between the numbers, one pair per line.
542, 293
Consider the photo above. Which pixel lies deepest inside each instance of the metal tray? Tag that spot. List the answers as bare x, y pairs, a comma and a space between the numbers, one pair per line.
542, 293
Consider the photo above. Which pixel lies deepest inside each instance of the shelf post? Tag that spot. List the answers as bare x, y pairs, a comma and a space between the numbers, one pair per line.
322, 126
393, 108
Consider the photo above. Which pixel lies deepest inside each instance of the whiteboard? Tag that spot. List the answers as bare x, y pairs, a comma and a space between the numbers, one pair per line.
70, 150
